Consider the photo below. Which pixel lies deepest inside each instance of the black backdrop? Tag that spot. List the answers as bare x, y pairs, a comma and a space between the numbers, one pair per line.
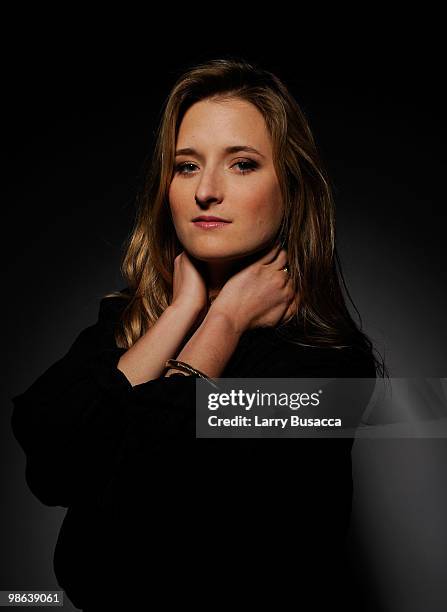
78, 129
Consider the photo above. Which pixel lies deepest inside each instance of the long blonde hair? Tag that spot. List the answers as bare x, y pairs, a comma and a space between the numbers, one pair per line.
308, 225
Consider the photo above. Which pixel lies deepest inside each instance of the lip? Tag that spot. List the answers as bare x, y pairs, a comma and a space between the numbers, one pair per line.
210, 218
211, 224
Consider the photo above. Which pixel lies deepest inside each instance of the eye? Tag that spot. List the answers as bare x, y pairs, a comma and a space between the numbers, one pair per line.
250, 165
181, 167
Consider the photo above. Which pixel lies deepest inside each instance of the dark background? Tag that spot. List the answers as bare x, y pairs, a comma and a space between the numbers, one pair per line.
78, 129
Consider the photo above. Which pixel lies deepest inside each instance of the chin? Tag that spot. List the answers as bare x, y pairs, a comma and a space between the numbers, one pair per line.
214, 253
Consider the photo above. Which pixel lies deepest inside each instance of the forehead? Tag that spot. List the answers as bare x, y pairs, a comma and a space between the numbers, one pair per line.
215, 123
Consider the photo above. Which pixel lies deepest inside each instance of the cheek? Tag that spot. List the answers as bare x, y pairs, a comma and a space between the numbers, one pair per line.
263, 207
175, 199
262, 212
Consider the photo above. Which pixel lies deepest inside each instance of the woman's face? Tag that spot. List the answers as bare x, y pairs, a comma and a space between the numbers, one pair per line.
238, 186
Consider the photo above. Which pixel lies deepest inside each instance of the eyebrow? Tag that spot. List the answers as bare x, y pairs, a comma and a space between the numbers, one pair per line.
232, 149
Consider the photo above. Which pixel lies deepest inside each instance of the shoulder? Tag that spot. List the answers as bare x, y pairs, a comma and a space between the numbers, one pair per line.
347, 362
287, 358
355, 360
112, 305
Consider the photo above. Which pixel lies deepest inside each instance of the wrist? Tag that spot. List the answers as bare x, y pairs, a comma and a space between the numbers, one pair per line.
226, 319
186, 309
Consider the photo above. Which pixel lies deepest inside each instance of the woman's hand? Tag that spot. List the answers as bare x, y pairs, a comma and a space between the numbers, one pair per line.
260, 295
189, 287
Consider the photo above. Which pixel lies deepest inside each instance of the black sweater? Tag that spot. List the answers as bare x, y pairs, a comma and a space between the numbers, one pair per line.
153, 510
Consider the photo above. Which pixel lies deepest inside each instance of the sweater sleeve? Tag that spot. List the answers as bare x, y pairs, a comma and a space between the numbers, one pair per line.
78, 419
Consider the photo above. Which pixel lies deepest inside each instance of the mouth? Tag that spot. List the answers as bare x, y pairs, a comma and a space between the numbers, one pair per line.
210, 224
210, 218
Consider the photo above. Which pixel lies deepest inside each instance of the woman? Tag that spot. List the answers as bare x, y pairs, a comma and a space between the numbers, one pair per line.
109, 429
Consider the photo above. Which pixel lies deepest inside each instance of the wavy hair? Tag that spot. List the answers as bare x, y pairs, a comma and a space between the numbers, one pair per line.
307, 230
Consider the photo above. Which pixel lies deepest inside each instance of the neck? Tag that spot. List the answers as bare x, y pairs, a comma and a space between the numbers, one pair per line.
218, 273
217, 276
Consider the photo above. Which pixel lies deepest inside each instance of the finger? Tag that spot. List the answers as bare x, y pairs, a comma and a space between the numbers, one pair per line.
271, 255
295, 303
291, 311
281, 260
285, 274
279, 263
286, 316
292, 299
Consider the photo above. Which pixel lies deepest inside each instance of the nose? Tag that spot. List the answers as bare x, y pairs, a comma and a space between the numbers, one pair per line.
207, 201
208, 190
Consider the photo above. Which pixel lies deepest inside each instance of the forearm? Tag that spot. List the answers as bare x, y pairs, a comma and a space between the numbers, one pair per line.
212, 346
145, 360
